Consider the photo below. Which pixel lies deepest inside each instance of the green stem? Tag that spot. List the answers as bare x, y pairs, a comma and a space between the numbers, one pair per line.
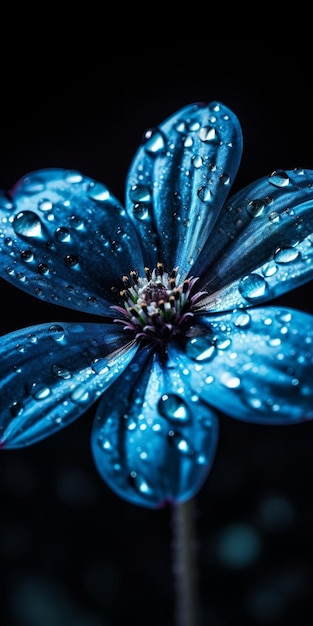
184, 564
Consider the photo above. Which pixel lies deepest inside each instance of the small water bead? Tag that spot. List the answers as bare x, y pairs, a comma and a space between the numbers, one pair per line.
269, 269
57, 332
173, 407
5, 203
205, 194
279, 178
253, 286
230, 380
286, 255
256, 207
98, 192
140, 484
62, 234
40, 391
61, 372
16, 408
73, 177
225, 179
197, 161
242, 320
71, 260
104, 444
45, 205
27, 224
43, 268
180, 443
200, 349
141, 211
80, 395
77, 223
129, 422
154, 141
140, 193
27, 255
208, 134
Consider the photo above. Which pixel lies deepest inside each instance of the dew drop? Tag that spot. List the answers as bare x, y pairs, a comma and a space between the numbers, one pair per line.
98, 192
286, 255
27, 256
45, 205
62, 234
73, 177
80, 395
253, 286
154, 141
180, 443
61, 372
140, 193
256, 207
76, 222
140, 211
27, 224
100, 366
71, 260
140, 484
40, 391
230, 381
57, 332
129, 422
16, 408
205, 194
173, 407
208, 134
279, 178
200, 349
197, 161
242, 320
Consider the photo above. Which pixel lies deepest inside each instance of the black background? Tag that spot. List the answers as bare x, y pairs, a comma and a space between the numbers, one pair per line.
71, 552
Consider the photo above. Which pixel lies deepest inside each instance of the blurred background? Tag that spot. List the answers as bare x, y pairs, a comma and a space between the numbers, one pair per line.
71, 552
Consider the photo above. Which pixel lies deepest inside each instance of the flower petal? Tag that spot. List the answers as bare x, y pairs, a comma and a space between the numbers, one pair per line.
254, 365
51, 373
261, 245
66, 240
153, 440
179, 179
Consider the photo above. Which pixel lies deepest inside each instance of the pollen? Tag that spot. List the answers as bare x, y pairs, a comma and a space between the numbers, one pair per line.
156, 308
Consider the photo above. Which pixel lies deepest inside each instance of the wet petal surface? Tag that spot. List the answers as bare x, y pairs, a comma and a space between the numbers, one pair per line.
179, 180
51, 373
65, 239
262, 243
254, 365
153, 439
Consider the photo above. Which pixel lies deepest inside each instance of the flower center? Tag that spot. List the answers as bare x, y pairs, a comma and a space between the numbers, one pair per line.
155, 307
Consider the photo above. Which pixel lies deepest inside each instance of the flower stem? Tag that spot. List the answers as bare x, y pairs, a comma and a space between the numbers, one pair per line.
187, 606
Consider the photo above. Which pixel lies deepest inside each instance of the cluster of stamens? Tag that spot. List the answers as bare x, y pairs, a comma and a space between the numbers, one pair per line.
155, 307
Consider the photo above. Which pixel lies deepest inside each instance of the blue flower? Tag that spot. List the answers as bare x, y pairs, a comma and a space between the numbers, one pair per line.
176, 282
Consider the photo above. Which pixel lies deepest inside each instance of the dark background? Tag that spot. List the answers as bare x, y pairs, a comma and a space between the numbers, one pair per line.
71, 552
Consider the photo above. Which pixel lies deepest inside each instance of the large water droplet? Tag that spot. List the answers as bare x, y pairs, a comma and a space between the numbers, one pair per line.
205, 194
201, 349
208, 134
173, 407
253, 286
154, 141
140, 193
279, 178
40, 391
255, 207
286, 255
27, 224
98, 192
62, 234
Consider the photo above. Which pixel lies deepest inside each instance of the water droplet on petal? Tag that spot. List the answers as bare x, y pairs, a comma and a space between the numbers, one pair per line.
173, 407
255, 207
205, 194
16, 409
45, 205
154, 141
98, 192
27, 224
180, 443
80, 395
253, 286
279, 178
208, 134
40, 391
61, 372
57, 332
140, 193
140, 484
286, 255
140, 211
62, 234
200, 349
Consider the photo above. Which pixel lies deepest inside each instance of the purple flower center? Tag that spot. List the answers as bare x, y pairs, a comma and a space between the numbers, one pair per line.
156, 308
